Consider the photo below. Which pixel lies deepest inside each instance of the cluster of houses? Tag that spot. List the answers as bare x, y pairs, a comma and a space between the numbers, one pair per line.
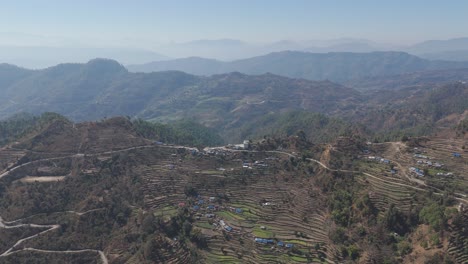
448, 174
207, 205
424, 160
215, 151
250, 165
378, 159
271, 241
430, 163
420, 156
417, 171
225, 226
199, 205
245, 145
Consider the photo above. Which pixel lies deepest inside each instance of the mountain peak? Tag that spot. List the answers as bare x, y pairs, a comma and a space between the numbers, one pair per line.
105, 65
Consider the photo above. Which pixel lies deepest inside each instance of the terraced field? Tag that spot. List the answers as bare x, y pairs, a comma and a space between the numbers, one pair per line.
236, 197
289, 216
458, 242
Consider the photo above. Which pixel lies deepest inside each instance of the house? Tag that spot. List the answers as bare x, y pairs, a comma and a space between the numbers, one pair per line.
228, 228
196, 207
201, 201
212, 199
238, 211
461, 207
280, 244
181, 204
246, 144
456, 155
262, 227
289, 245
210, 207
209, 215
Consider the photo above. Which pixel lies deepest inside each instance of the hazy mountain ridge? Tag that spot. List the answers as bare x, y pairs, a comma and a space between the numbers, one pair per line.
409, 80
335, 66
103, 88
232, 103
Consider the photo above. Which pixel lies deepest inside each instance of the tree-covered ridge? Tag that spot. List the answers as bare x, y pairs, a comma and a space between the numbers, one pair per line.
315, 127
22, 124
183, 132
233, 104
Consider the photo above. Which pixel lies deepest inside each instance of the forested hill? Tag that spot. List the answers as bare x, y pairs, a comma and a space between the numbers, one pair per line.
336, 66
103, 88
232, 104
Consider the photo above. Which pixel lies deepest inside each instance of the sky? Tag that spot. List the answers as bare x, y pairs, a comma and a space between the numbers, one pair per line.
148, 23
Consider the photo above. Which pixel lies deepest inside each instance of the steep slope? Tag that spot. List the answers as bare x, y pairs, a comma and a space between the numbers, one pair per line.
10, 74
418, 110
83, 91
229, 101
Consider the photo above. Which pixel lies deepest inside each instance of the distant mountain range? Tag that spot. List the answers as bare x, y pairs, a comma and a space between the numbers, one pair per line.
234, 103
409, 80
38, 57
335, 66
41, 52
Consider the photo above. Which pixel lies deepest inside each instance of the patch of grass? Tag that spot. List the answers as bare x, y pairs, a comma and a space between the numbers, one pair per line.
231, 216
211, 172
262, 233
168, 211
204, 225
298, 259
297, 241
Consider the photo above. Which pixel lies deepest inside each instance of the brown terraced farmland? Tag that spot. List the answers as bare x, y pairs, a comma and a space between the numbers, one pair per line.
297, 203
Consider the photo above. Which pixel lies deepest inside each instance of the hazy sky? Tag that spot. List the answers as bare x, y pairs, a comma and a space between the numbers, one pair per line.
145, 23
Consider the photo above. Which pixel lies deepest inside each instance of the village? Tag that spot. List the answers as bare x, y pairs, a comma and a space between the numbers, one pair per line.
422, 165
211, 208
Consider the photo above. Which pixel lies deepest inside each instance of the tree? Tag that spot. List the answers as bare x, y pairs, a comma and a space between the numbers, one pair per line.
151, 250
148, 224
433, 215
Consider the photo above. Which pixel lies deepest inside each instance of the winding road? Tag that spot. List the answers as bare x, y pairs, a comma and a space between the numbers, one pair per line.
7, 225
11, 250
